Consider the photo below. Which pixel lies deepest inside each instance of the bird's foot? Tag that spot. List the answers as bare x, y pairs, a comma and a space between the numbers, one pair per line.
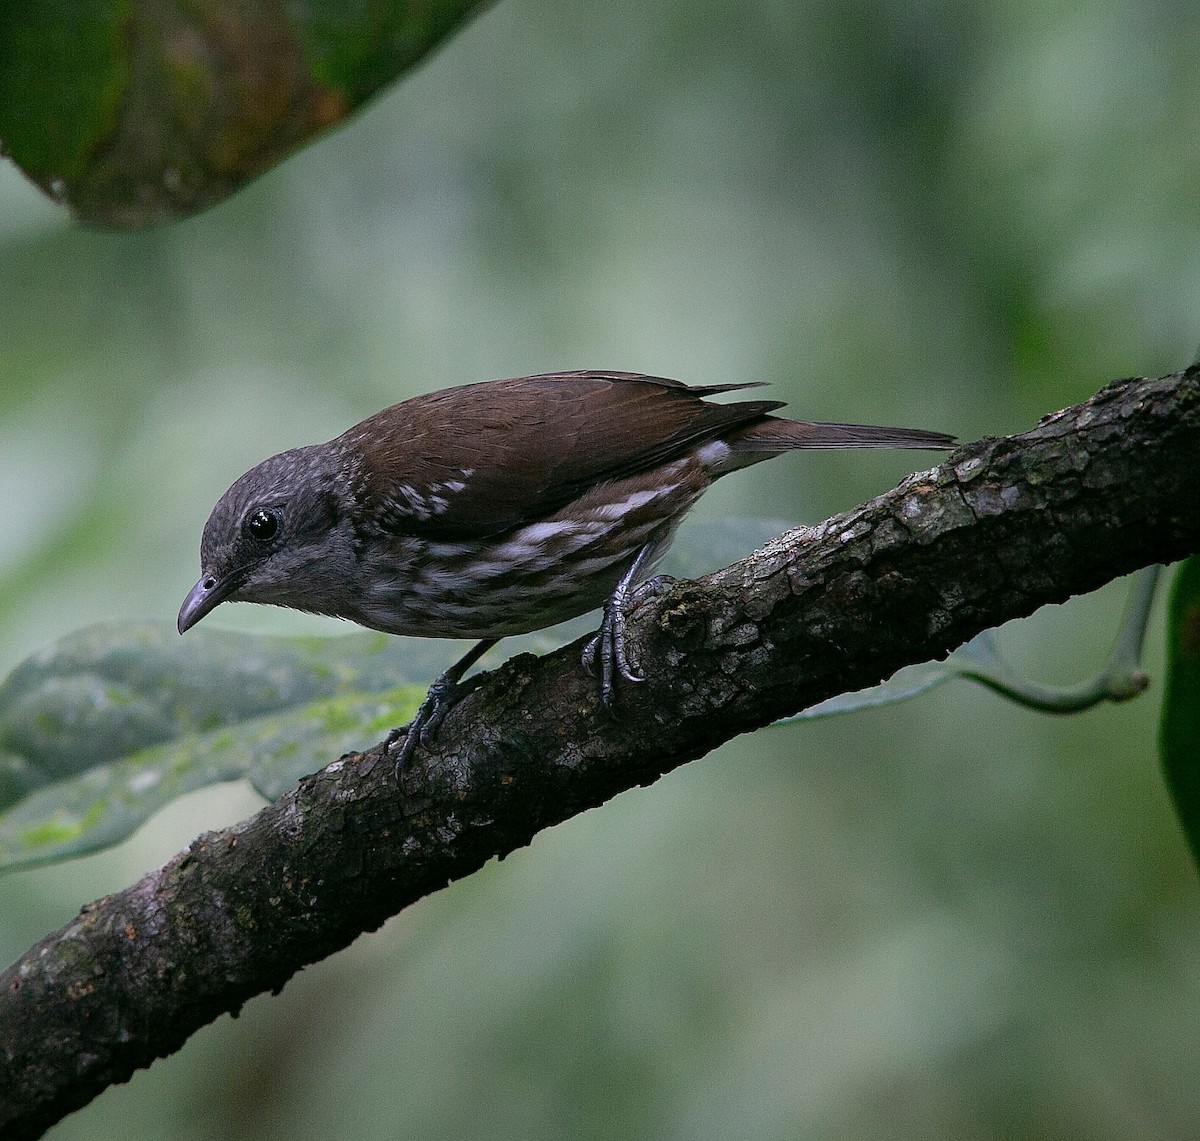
438, 701
442, 696
606, 655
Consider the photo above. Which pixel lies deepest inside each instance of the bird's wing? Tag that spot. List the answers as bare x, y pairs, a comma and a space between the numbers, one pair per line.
484, 458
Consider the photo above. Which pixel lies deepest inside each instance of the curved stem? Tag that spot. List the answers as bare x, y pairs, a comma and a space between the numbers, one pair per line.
1121, 678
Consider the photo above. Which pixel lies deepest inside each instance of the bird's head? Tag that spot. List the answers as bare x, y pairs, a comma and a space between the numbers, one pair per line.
281, 534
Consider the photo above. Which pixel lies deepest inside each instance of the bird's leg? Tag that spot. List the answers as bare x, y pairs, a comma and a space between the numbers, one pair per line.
606, 653
442, 696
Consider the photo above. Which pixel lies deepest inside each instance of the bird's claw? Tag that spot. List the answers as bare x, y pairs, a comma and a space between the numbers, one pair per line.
607, 653
445, 693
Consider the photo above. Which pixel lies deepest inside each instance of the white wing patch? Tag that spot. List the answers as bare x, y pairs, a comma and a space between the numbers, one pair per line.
432, 499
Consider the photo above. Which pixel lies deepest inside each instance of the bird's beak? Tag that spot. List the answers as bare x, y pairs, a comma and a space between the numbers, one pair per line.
206, 595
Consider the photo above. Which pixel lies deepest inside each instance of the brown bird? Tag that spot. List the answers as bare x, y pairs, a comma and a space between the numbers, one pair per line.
494, 509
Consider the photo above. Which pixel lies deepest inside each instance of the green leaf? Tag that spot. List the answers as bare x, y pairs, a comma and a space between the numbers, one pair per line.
114, 689
137, 114
110, 724
62, 70
110, 801
358, 46
1179, 728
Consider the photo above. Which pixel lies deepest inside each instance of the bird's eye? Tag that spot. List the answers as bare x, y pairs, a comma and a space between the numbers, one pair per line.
262, 526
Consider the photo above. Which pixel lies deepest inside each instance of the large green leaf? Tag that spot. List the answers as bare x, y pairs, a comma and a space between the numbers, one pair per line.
1179, 729
136, 114
108, 725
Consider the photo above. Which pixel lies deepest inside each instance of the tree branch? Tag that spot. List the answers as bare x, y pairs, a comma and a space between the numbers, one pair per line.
1000, 529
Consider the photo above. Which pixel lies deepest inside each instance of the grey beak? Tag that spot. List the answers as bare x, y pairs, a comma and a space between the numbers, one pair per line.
206, 595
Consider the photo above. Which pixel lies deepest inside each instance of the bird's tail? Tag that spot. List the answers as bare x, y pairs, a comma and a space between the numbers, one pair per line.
774, 434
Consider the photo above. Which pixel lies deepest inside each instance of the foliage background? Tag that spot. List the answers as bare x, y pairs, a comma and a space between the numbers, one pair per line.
948, 919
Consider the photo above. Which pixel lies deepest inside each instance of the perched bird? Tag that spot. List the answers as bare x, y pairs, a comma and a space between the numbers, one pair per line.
494, 509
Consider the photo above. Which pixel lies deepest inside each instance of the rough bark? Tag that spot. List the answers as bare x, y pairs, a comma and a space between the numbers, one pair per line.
1001, 528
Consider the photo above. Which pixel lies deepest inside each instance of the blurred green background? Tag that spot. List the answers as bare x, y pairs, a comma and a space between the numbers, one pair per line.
946, 919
